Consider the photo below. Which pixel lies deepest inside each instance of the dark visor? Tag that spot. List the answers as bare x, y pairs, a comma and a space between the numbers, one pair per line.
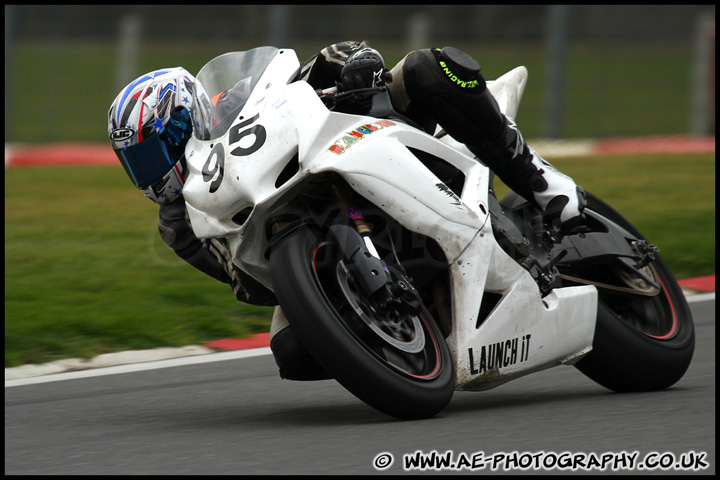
146, 162
149, 161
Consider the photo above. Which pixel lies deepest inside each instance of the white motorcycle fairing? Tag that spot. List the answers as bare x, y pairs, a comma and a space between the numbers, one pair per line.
284, 135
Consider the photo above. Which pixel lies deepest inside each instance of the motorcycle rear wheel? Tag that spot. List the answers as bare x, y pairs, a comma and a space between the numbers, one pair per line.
642, 343
397, 364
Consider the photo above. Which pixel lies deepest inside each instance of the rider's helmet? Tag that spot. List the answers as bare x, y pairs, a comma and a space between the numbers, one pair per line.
149, 124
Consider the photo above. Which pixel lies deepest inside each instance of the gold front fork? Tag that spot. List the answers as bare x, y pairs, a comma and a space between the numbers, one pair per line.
355, 215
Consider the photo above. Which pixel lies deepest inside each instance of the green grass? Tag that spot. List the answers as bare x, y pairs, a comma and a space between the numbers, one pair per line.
86, 272
669, 198
62, 91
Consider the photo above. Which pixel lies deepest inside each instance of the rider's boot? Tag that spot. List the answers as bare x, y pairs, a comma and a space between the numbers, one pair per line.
293, 360
523, 170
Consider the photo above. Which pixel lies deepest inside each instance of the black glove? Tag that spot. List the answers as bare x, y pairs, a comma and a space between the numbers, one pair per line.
363, 69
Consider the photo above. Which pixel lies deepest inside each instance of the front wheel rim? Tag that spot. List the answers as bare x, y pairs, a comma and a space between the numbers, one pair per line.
417, 357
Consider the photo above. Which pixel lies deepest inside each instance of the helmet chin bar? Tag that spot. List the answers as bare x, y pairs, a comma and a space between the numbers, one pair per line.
159, 187
169, 188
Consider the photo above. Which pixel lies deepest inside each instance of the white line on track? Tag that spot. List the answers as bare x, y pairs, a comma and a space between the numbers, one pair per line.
139, 367
700, 297
193, 360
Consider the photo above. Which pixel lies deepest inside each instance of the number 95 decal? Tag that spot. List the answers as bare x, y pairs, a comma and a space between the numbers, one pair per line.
213, 171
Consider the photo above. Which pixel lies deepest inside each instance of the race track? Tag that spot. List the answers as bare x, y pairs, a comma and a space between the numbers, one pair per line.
238, 417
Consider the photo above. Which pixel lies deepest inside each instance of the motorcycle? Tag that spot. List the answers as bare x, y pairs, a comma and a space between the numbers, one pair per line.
394, 262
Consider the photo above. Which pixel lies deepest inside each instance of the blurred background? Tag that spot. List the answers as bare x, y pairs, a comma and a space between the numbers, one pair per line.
595, 70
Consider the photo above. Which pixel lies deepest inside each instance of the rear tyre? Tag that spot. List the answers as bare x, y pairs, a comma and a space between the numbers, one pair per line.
642, 342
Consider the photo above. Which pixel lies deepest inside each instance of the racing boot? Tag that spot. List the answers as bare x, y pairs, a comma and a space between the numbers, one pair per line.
293, 360
523, 170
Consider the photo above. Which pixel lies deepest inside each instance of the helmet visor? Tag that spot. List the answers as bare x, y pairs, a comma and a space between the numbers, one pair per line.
148, 161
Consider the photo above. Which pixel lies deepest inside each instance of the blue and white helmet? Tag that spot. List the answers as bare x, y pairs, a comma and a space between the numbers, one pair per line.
149, 124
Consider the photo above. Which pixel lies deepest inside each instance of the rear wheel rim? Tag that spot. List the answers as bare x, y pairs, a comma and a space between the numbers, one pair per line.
655, 317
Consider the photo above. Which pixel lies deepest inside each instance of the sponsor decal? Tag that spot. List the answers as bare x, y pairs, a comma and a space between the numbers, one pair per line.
455, 79
499, 355
446, 190
342, 144
279, 103
121, 134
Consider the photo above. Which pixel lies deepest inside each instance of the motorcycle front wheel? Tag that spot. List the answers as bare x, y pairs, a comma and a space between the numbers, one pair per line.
393, 360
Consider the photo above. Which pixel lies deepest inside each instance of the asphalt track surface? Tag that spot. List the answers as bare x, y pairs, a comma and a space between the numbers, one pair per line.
237, 417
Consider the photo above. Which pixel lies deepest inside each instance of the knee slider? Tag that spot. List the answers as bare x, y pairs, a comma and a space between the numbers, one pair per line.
447, 85
460, 69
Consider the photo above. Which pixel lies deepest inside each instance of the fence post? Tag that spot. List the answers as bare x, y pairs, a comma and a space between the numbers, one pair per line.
128, 40
278, 24
556, 35
9, 32
702, 120
417, 33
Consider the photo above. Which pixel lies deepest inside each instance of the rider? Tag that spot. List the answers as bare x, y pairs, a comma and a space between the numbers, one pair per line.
445, 86
149, 124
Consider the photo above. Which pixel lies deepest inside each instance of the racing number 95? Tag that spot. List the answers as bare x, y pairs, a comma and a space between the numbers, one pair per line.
214, 168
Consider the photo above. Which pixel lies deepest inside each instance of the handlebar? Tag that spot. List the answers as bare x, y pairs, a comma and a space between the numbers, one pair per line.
331, 96
380, 105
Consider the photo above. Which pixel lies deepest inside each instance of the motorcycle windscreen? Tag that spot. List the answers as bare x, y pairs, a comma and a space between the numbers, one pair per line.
223, 85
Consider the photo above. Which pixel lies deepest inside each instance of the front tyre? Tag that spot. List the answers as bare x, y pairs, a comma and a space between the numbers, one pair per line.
392, 360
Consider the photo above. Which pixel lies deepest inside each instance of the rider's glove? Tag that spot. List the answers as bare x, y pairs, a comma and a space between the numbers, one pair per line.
363, 69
